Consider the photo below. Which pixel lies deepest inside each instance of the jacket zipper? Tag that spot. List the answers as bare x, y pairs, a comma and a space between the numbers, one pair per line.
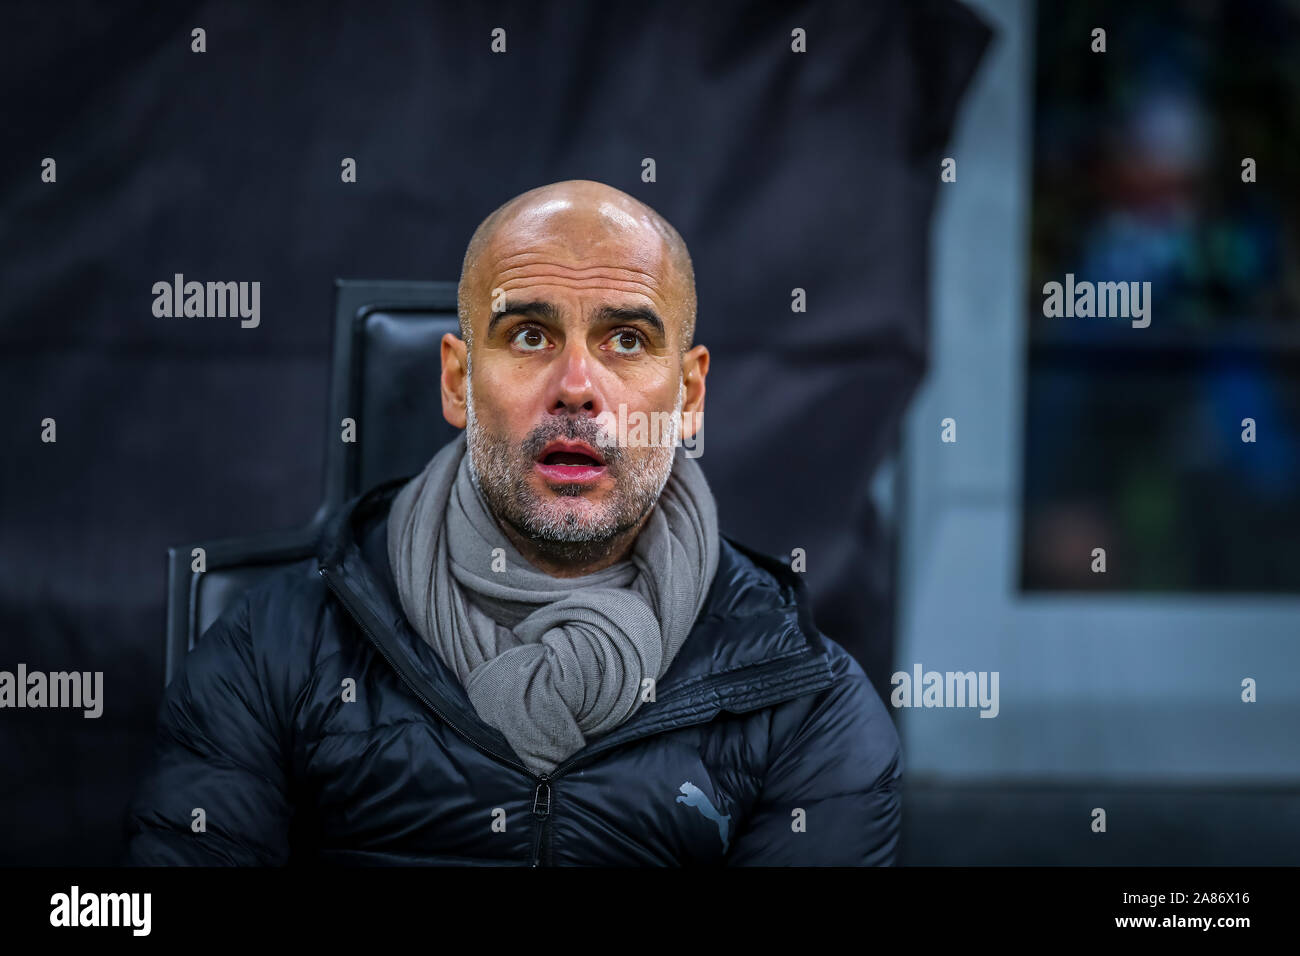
541, 810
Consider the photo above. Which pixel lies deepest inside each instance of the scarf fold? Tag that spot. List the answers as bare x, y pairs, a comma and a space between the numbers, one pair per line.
548, 661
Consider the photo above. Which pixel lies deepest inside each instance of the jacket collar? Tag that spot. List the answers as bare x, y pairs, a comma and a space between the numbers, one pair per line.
753, 645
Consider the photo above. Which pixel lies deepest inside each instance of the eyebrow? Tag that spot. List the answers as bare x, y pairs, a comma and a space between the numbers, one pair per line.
607, 314
539, 308
610, 314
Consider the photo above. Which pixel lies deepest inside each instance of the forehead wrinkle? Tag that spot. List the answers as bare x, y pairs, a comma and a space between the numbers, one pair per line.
535, 258
633, 288
585, 278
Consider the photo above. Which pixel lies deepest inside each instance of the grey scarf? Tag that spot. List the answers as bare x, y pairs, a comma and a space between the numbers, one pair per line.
549, 661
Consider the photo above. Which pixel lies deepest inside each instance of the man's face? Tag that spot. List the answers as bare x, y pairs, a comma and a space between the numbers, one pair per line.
577, 317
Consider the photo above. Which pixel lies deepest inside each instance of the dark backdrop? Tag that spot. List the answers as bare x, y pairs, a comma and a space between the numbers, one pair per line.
781, 170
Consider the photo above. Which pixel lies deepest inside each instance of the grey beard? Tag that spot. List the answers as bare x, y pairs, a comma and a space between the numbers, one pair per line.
495, 470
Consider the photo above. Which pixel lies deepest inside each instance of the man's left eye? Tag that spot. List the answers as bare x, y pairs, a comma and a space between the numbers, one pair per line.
626, 342
529, 339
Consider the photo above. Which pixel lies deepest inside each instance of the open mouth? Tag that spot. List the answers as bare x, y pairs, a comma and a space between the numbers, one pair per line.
570, 461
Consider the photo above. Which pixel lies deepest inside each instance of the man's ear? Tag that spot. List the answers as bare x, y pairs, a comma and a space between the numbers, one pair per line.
455, 369
695, 367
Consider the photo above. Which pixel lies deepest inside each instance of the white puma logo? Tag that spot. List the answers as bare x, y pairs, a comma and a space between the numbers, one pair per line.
693, 796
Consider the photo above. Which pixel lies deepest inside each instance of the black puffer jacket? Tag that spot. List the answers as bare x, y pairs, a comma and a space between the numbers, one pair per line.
765, 744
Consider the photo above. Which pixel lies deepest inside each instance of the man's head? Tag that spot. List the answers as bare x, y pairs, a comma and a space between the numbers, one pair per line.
577, 306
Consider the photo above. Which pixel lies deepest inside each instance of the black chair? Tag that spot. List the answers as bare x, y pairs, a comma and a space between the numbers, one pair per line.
384, 365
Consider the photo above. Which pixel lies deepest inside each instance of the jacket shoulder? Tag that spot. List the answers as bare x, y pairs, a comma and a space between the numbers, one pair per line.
746, 582
749, 582
851, 698
834, 751
280, 627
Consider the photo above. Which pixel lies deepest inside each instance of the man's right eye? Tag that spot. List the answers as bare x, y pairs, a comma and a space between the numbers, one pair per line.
530, 339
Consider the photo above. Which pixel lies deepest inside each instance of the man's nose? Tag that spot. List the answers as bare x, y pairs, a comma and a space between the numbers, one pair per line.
575, 393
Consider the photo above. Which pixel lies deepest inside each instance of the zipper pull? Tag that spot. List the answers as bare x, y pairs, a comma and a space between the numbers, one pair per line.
542, 798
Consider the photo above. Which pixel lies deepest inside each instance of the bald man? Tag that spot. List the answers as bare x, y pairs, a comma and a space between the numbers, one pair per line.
540, 650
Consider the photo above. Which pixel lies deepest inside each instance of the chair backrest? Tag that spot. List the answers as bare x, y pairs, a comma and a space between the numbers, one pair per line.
384, 373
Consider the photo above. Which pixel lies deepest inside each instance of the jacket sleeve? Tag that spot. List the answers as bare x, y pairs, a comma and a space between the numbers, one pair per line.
217, 749
841, 767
